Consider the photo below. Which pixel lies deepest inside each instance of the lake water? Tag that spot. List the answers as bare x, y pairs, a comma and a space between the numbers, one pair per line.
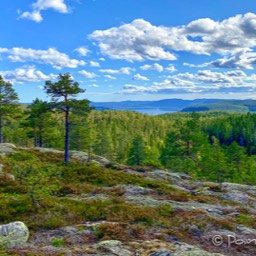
153, 111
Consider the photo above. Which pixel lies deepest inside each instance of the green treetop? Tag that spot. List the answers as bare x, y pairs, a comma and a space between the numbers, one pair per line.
8, 102
63, 94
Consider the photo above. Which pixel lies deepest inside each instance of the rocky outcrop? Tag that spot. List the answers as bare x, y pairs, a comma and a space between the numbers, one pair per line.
183, 249
14, 234
113, 246
6, 148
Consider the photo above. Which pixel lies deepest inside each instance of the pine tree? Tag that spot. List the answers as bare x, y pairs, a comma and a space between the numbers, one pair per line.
38, 116
137, 151
8, 103
63, 93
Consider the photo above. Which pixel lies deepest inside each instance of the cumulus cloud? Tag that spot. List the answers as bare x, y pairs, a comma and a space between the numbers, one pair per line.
34, 15
204, 81
83, 50
246, 60
171, 68
122, 71
140, 40
154, 66
94, 64
41, 5
140, 77
87, 74
110, 77
51, 57
163, 88
136, 41
26, 74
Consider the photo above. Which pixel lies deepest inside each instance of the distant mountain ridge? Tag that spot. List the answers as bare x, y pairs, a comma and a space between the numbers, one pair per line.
179, 105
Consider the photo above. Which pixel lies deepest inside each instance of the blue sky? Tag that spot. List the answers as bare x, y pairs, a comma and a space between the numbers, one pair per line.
131, 49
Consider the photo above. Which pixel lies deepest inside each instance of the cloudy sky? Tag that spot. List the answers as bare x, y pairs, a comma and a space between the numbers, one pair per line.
131, 49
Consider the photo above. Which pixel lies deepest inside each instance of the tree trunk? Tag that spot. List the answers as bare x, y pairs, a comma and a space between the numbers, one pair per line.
40, 137
35, 138
40, 140
1, 129
188, 149
66, 154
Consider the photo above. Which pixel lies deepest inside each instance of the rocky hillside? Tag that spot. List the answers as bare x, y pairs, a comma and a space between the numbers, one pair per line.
105, 209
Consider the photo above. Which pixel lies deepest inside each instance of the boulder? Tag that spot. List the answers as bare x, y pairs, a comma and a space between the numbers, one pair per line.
13, 235
8, 176
6, 148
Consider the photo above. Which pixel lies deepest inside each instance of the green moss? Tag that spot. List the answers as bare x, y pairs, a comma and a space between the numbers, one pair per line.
246, 220
57, 242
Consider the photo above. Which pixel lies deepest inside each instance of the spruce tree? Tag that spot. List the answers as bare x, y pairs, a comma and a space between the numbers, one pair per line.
8, 103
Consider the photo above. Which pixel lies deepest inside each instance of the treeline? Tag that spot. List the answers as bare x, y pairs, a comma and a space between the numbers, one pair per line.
215, 146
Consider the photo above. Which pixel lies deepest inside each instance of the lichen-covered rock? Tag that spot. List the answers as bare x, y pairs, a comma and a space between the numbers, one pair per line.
113, 246
5, 175
162, 253
49, 150
135, 190
183, 249
6, 148
14, 234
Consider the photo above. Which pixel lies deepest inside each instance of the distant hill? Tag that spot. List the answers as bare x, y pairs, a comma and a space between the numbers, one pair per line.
224, 105
179, 105
168, 105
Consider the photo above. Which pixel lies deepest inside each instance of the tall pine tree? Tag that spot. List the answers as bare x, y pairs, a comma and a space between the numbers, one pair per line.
63, 93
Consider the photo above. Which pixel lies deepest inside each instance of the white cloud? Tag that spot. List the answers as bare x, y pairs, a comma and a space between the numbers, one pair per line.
83, 50
245, 60
140, 40
201, 26
136, 41
41, 5
51, 57
154, 66
93, 85
94, 64
161, 88
87, 74
110, 77
34, 15
171, 68
57, 5
140, 77
26, 74
122, 71
204, 81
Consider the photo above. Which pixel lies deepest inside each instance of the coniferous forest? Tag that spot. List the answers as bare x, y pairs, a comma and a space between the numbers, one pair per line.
217, 146
81, 179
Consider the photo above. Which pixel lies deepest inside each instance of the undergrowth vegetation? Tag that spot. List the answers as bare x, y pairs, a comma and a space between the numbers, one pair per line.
45, 194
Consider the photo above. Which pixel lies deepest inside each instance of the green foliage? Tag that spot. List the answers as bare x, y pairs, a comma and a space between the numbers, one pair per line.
40, 121
57, 242
8, 103
63, 95
136, 153
246, 220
